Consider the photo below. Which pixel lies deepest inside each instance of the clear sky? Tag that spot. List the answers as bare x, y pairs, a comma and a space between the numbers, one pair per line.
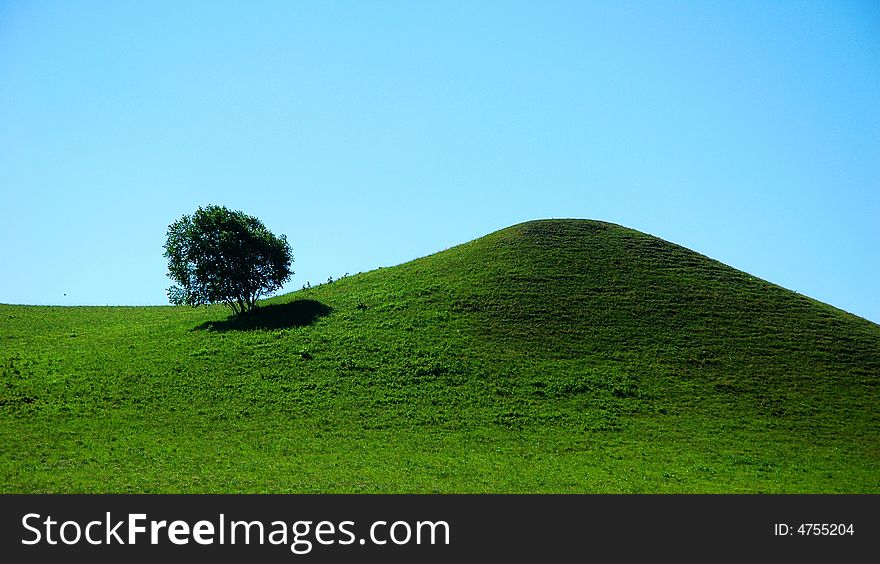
375, 132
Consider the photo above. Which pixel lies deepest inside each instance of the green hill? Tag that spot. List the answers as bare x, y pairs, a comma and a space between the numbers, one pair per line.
551, 356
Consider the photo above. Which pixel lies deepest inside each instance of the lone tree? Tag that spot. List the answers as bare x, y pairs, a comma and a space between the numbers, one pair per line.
217, 255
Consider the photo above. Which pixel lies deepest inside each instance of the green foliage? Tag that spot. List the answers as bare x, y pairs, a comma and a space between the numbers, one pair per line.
552, 356
221, 256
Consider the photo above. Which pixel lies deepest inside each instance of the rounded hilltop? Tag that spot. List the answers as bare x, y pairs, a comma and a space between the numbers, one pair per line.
551, 356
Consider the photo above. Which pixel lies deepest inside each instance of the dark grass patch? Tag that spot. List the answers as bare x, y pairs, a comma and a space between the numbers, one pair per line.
298, 313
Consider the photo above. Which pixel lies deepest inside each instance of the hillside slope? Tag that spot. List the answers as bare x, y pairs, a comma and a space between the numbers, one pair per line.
557, 355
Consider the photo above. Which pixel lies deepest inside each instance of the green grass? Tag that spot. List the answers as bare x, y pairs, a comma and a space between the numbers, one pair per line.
552, 356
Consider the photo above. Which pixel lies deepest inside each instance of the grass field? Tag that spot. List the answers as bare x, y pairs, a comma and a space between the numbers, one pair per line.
552, 356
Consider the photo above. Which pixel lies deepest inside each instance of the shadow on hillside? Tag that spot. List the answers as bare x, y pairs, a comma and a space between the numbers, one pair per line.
298, 313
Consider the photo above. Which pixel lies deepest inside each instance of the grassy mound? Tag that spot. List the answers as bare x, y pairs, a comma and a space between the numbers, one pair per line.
551, 356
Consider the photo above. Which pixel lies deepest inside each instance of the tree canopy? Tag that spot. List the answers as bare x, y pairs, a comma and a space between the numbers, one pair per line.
217, 255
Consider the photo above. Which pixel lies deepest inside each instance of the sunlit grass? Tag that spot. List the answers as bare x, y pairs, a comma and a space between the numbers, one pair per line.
557, 356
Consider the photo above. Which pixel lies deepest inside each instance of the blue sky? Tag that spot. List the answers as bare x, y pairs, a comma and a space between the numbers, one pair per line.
372, 133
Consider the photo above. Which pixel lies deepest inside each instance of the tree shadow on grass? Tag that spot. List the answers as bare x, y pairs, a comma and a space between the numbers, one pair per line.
298, 313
